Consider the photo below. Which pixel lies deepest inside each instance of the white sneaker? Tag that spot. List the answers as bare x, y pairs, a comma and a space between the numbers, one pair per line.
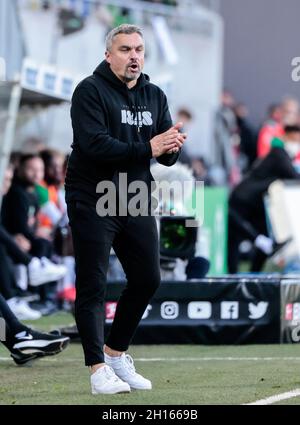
105, 381
264, 243
21, 309
123, 367
43, 270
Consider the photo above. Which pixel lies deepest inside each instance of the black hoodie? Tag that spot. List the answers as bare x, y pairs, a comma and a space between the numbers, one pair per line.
112, 127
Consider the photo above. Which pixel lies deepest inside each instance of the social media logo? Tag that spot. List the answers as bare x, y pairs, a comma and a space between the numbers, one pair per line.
199, 310
296, 311
229, 310
169, 310
147, 311
257, 311
110, 310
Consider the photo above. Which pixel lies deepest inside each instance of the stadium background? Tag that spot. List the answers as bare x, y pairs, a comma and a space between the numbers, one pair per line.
196, 50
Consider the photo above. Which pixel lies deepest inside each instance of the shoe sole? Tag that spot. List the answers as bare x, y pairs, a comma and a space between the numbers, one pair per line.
35, 356
46, 279
139, 389
24, 361
41, 347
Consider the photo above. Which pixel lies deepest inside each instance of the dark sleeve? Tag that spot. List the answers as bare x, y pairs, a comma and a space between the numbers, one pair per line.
16, 209
14, 251
91, 133
282, 161
165, 123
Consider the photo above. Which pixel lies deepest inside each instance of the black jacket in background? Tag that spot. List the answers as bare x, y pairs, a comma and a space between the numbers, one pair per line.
112, 129
18, 206
12, 248
248, 195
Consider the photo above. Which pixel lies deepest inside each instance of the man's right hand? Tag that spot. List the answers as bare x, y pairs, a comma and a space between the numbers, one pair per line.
167, 141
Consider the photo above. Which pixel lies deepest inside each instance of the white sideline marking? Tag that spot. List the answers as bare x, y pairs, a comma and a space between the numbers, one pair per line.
176, 359
275, 398
208, 359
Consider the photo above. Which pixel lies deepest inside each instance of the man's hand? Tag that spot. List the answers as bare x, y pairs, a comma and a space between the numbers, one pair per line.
180, 140
168, 142
44, 233
23, 243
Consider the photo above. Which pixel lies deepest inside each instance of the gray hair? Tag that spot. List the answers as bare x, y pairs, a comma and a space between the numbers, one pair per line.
121, 29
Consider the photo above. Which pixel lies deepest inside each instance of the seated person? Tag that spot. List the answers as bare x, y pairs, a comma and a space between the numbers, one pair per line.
20, 205
246, 203
15, 250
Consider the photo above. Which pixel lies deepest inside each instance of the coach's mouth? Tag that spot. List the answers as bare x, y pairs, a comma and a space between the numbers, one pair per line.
134, 67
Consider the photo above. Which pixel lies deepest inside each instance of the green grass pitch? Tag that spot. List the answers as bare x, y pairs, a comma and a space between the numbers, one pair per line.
181, 374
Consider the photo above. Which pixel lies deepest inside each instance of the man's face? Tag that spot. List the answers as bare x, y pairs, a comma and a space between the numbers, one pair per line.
290, 111
33, 171
8, 176
292, 137
126, 57
55, 170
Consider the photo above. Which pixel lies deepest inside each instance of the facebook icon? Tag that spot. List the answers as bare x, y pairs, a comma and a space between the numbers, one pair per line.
229, 310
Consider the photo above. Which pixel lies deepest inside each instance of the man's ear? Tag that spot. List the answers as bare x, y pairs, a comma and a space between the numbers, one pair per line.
107, 56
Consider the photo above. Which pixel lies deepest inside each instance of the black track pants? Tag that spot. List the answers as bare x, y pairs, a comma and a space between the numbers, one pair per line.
135, 242
11, 323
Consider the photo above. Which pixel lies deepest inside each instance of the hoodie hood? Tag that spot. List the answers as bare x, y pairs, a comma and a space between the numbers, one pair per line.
104, 71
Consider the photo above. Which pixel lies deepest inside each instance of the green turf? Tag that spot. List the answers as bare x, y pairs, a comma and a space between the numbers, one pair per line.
192, 379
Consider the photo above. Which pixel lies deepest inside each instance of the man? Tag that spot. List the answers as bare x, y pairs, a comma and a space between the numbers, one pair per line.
272, 127
185, 116
19, 211
120, 121
15, 248
226, 133
246, 203
284, 114
248, 136
50, 193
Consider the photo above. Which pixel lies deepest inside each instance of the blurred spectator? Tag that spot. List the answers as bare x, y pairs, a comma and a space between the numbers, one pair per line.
19, 212
248, 136
50, 192
247, 218
185, 116
200, 171
290, 111
53, 219
287, 113
227, 138
273, 127
15, 159
20, 205
15, 250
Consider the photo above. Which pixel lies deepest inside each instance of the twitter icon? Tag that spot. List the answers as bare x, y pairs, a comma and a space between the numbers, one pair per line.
257, 311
